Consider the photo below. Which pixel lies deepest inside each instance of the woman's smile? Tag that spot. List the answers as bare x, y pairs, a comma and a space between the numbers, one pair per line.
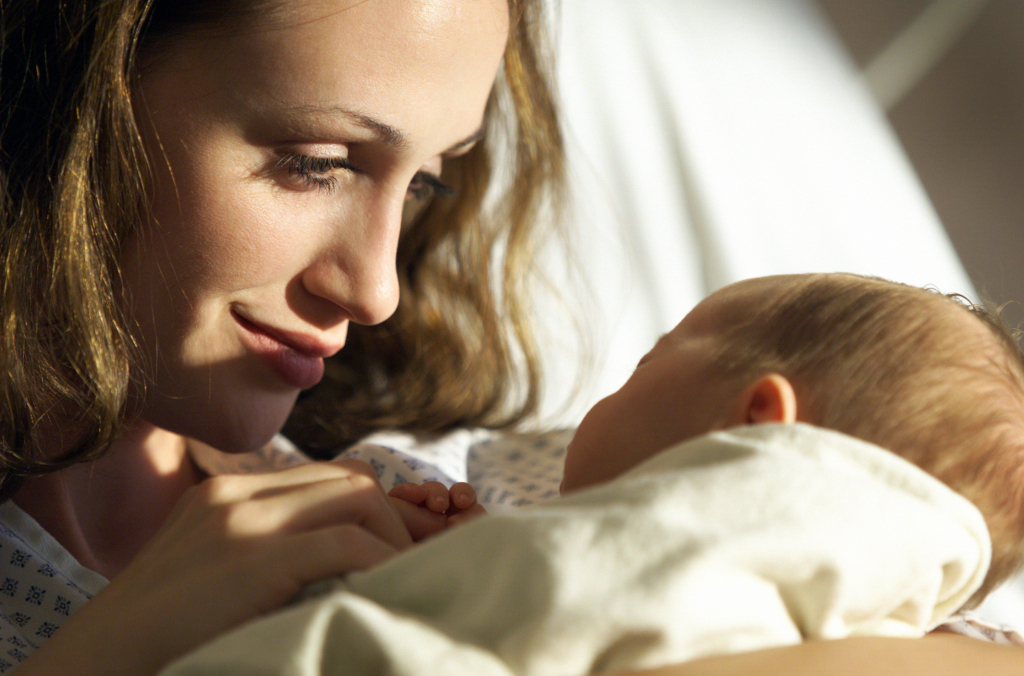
296, 358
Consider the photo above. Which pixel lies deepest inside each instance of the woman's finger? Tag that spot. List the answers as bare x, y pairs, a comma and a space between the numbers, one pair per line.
432, 494
357, 466
354, 499
420, 521
228, 488
316, 555
413, 493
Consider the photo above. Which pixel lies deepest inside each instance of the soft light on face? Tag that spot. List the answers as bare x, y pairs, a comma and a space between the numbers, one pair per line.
674, 394
283, 157
670, 397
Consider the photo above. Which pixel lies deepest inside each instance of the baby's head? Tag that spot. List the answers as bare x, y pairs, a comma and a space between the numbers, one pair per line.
936, 381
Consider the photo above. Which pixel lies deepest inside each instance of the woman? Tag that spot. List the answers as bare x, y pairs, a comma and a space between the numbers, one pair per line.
201, 201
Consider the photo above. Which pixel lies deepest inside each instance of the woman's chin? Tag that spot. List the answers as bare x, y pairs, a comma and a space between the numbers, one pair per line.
240, 424
247, 434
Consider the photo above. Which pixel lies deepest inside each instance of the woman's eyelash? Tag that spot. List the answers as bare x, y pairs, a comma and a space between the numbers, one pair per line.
424, 185
315, 172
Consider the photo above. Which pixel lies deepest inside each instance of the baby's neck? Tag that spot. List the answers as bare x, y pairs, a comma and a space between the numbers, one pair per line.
104, 512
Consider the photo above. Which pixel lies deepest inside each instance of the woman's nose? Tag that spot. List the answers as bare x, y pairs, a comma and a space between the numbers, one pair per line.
357, 271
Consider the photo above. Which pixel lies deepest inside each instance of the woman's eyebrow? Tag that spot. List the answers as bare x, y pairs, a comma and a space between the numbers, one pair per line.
385, 132
468, 141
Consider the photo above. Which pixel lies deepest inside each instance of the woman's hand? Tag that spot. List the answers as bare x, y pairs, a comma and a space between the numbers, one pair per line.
234, 548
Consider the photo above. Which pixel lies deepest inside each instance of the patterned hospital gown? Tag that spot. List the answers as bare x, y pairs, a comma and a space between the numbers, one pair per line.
41, 584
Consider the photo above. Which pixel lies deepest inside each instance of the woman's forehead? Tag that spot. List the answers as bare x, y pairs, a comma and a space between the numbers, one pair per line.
423, 67
430, 15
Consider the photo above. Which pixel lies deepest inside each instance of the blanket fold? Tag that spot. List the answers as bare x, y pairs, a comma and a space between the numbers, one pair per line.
745, 539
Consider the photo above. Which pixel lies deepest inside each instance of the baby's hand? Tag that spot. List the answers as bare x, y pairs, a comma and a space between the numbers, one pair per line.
463, 506
431, 507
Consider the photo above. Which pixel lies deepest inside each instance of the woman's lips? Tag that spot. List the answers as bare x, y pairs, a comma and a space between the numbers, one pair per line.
297, 360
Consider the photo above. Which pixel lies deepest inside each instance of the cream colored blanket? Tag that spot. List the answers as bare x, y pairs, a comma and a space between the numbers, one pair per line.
754, 537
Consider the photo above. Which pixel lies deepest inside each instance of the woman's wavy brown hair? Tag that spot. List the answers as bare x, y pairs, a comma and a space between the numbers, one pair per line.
458, 351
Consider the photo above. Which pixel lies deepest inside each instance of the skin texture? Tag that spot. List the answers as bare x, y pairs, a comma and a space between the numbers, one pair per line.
389, 87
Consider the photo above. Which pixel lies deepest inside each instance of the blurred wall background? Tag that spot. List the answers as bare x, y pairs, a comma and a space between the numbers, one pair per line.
962, 125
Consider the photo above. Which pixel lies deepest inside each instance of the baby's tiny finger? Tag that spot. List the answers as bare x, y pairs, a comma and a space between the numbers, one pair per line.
437, 496
463, 495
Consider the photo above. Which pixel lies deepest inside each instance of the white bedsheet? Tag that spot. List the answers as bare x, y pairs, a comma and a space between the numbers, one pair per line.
712, 141
759, 536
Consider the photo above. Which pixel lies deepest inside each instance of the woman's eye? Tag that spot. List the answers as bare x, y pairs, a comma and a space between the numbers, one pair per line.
425, 184
319, 173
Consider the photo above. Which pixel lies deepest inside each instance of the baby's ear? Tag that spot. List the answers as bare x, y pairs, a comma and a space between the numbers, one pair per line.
768, 399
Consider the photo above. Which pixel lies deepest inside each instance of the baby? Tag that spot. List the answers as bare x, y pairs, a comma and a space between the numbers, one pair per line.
932, 379
743, 491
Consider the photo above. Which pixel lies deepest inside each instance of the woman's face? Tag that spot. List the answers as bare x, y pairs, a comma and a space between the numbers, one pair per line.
283, 157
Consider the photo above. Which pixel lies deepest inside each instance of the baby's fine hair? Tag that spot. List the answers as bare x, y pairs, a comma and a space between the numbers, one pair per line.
936, 379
